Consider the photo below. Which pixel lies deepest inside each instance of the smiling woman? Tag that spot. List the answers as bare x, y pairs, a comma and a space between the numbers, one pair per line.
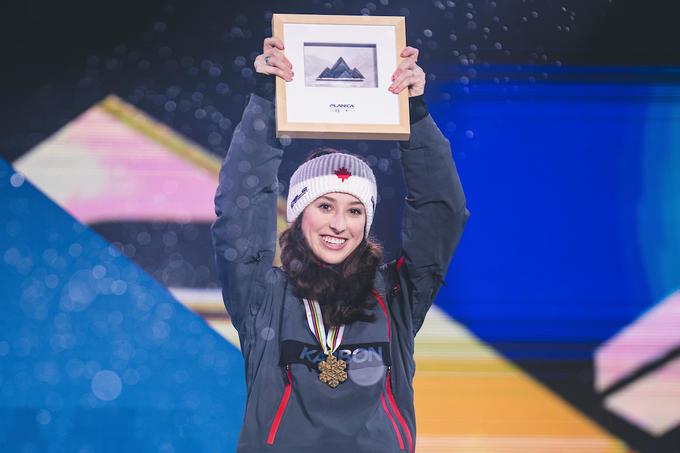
335, 369
336, 189
334, 226
327, 251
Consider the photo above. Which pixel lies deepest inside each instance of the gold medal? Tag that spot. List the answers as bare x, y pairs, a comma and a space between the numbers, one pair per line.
332, 371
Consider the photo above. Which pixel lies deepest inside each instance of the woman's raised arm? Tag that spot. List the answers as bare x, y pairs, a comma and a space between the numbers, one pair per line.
435, 212
244, 233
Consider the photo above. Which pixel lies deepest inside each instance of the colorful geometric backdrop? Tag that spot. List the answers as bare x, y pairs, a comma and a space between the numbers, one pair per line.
558, 329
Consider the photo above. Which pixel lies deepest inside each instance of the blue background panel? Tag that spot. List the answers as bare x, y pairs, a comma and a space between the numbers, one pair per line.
94, 354
554, 178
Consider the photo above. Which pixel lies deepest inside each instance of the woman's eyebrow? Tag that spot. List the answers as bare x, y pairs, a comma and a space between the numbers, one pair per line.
333, 200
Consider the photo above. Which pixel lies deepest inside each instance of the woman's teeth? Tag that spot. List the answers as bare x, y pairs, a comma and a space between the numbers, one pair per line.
332, 240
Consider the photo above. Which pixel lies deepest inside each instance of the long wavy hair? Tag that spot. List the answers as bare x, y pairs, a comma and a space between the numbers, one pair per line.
342, 290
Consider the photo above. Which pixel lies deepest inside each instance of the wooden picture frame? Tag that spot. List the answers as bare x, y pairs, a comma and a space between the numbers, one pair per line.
337, 99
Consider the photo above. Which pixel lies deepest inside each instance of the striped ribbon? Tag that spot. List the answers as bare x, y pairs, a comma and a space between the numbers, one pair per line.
329, 343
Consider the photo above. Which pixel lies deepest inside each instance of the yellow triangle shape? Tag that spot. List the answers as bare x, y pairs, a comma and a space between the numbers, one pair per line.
470, 399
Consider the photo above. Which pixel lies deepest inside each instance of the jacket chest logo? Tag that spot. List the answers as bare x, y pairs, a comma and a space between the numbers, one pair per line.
309, 354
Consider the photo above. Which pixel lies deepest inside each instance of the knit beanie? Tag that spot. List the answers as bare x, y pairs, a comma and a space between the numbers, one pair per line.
334, 172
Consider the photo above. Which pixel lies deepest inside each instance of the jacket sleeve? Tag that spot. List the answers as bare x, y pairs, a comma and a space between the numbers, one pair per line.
244, 233
434, 216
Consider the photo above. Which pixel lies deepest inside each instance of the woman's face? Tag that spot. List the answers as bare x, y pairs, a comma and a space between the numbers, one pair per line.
333, 226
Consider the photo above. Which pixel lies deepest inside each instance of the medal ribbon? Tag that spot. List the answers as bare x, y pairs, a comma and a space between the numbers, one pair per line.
329, 343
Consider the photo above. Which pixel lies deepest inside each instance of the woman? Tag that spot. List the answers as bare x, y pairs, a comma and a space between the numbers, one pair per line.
328, 338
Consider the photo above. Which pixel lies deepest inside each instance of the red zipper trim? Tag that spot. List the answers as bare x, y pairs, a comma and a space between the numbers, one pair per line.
384, 309
394, 424
402, 422
400, 262
282, 408
390, 397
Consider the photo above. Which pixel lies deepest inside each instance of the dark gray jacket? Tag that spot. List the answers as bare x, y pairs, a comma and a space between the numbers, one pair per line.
288, 409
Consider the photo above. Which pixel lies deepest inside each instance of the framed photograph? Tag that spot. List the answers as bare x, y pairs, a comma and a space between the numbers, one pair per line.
342, 66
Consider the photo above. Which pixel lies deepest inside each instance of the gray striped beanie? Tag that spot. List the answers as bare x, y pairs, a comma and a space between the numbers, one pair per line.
335, 172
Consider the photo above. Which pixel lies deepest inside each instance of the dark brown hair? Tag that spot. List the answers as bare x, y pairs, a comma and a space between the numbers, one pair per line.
342, 290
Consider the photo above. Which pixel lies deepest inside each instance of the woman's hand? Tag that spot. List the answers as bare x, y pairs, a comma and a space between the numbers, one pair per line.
273, 61
408, 74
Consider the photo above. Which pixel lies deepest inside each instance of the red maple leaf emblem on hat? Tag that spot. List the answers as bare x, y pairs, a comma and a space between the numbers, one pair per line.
342, 173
